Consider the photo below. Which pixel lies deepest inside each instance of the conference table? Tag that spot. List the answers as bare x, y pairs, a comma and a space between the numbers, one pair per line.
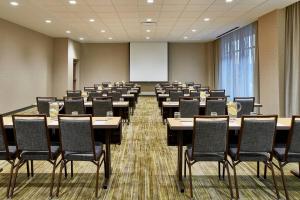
107, 130
180, 130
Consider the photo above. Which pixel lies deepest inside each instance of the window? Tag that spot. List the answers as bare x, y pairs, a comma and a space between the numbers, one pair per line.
237, 62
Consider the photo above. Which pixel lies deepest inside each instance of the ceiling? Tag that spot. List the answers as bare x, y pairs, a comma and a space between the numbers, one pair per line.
122, 19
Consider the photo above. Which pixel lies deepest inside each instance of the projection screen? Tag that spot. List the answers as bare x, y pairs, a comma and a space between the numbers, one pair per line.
148, 61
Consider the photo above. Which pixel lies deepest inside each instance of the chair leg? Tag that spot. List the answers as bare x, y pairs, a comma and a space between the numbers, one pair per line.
71, 168
97, 179
52, 178
185, 160
219, 170
223, 176
229, 179
265, 171
235, 182
27, 166
10, 178
66, 173
15, 178
274, 180
62, 165
191, 185
283, 181
32, 173
257, 169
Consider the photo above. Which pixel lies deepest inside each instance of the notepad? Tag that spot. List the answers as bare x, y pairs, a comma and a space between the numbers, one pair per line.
100, 122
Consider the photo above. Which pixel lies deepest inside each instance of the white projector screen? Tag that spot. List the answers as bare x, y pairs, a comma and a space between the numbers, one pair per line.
148, 61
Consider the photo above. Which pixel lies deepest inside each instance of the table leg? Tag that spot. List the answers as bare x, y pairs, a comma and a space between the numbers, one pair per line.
108, 170
295, 173
180, 184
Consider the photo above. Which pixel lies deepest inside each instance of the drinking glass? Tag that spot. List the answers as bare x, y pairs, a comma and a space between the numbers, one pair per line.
109, 114
213, 114
74, 112
177, 115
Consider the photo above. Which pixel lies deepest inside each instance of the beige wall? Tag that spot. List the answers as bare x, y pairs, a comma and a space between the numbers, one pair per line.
25, 66
73, 53
271, 56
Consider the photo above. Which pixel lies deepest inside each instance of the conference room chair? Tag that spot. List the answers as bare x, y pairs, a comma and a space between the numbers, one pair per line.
215, 104
247, 105
188, 107
204, 89
106, 91
74, 104
101, 106
175, 95
7, 153
189, 83
168, 89
197, 86
94, 94
77, 143
186, 91
37, 147
43, 104
106, 84
97, 85
89, 89
209, 143
73, 93
129, 84
217, 93
255, 144
122, 90
290, 153
115, 95
194, 93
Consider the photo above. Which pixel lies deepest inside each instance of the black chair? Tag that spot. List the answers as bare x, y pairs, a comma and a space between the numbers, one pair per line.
186, 91
73, 93
78, 144
36, 147
75, 104
105, 84
189, 83
195, 93
115, 95
209, 143
217, 93
215, 104
255, 144
94, 94
122, 90
43, 104
188, 107
101, 106
290, 153
247, 104
175, 95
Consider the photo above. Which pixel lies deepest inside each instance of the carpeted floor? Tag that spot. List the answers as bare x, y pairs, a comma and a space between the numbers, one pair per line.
144, 167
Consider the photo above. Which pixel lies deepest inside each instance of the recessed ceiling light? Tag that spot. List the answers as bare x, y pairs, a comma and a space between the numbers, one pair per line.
81, 38
149, 20
103, 31
150, 1
72, 2
48, 21
185, 37
147, 38
110, 38
228, 1
148, 30
14, 3
68, 32
206, 19
194, 30
91, 20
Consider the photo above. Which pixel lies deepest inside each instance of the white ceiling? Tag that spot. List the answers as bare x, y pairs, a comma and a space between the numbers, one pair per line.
121, 19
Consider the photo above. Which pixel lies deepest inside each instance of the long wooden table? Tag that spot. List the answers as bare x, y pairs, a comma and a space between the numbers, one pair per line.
110, 127
179, 133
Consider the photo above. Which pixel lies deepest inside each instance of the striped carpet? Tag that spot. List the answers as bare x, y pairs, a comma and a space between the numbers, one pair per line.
144, 167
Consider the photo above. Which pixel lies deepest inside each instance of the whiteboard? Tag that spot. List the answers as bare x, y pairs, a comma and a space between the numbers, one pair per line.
148, 61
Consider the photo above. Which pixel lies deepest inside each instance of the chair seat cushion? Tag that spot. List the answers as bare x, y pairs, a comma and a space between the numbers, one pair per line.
84, 156
41, 155
12, 150
215, 156
279, 153
248, 156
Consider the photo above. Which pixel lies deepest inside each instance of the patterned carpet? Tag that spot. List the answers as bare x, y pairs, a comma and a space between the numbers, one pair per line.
144, 168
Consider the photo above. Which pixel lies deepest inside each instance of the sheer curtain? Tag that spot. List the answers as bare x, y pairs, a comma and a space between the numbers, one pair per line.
237, 65
292, 59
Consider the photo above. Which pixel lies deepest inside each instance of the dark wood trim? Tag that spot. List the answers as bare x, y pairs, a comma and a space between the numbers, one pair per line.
18, 110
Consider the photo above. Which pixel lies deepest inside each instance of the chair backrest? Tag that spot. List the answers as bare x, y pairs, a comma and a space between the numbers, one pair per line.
247, 104
168, 89
122, 90
89, 89
74, 104
115, 95
186, 91
76, 134
217, 93
194, 93
3, 139
106, 91
189, 83
106, 84
257, 133
43, 104
210, 135
31, 133
94, 94
73, 93
293, 144
101, 106
188, 107
175, 95
217, 105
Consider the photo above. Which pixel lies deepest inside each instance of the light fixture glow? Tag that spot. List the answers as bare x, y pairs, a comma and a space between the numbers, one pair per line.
68, 32
206, 19
148, 30
147, 38
185, 37
150, 1
14, 3
149, 20
72, 2
103, 31
91, 20
48, 21
110, 38
194, 30
81, 38
228, 1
